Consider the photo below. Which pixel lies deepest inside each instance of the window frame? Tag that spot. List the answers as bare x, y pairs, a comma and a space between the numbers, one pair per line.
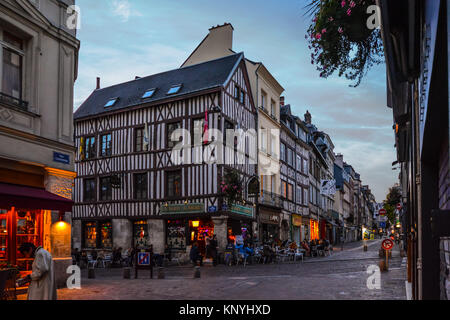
21, 52
109, 195
108, 148
169, 141
92, 150
167, 175
93, 197
143, 193
135, 142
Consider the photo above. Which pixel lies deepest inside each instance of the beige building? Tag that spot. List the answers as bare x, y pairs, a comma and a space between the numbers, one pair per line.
266, 92
38, 68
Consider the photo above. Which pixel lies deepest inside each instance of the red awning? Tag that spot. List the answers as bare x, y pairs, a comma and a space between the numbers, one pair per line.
23, 197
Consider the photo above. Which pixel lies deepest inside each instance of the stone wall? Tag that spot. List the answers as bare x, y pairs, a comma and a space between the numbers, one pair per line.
122, 231
76, 234
157, 235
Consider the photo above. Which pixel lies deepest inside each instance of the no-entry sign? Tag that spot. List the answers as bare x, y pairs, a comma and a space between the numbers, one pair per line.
382, 212
387, 244
399, 207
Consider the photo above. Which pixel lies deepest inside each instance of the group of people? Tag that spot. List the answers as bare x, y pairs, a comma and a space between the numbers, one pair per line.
119, 256
313, 247
210, 250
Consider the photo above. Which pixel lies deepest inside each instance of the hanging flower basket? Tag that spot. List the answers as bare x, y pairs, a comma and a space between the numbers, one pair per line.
231, 187
341, 40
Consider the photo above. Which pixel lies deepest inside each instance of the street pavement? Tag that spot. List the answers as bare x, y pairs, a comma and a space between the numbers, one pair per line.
341, 276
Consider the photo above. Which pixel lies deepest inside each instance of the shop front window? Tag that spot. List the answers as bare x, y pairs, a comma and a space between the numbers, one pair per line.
27, 230
106, 235
3, 235
140, 235
176, 234
90, 235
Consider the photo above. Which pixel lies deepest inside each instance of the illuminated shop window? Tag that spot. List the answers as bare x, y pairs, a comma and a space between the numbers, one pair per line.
140, 234
176, 234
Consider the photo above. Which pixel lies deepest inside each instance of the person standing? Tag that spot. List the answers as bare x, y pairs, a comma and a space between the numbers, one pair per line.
213, 249
195, 255
43, 284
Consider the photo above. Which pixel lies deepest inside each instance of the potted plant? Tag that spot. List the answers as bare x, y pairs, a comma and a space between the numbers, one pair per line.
341, 39
231, 187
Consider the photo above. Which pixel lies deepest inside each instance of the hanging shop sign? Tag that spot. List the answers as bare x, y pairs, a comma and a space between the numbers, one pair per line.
296, 220
243, 210
268, 218
183, 208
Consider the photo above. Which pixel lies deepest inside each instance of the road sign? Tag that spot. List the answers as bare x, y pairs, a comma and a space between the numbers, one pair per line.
382, 212
387, 244
383, 225
144, 258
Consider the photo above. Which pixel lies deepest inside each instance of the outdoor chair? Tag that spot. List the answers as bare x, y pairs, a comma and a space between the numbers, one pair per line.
299, 254
90, 260
282, 256
107, 260
242, 258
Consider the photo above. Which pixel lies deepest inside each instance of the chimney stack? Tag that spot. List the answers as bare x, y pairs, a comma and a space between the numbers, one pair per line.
282, 101
98, 83
308, 117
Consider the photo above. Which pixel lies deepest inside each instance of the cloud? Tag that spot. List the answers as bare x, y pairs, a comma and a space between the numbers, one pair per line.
123, 10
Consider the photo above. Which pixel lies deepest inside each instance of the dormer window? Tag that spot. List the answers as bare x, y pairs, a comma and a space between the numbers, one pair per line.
149, 93
111, 102
174, 89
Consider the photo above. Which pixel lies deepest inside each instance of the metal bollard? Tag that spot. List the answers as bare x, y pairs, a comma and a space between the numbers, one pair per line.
127, 273
91, 273
197, 272
161, 274
365, 248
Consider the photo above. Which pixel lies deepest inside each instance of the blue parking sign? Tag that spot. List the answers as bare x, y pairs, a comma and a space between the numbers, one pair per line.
144, 258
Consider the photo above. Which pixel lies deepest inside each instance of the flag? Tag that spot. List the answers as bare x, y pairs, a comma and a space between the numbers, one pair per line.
206, 128
146, 138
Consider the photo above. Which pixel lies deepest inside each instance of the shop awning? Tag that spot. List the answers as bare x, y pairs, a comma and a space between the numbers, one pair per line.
23, 197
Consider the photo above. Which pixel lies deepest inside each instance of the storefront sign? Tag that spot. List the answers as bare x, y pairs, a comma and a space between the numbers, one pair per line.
270, 218
296, 220
242, 210
61, 158
183, 208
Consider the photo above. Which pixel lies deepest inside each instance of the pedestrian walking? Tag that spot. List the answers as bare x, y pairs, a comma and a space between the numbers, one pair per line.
42, 278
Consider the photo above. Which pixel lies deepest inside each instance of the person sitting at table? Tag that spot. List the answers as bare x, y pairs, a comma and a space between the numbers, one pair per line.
305, 246
269, 254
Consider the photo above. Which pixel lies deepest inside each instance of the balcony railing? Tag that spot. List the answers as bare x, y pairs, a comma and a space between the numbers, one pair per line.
15, 102
270, 199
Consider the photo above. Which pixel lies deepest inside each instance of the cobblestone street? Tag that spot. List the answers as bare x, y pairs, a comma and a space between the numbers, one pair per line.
341, 276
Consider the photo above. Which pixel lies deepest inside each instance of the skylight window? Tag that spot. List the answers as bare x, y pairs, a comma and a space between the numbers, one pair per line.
149, 93
174, 89
111, 102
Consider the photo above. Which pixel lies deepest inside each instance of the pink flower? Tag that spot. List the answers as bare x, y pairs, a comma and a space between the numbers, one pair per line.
352, 4
318, 36
324, 30
340, 30
349, 12
343, 4
331, 19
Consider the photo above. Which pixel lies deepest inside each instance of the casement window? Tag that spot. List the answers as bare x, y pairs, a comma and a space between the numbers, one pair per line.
228, 126
299, 163
198, 130
305, 166
11, 66
89, 148
299, 195
284, 189
170, 129
106, 149
173, 183
283, 152
105, 189
290, 157
140, 186
272, 183
263, 99
290, 191
242, 97
264, 140
139, 139
236, 91
89, 190
273, 108
97, 234
305, 197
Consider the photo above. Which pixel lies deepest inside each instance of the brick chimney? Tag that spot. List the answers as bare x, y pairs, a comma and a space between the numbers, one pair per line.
98, 83
308, 117
282, 101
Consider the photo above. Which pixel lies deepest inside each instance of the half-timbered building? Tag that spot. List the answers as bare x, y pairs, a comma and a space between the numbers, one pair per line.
294, 151
144, 176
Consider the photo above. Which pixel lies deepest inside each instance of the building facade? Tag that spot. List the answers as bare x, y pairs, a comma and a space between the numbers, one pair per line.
294, 159
38, 68
154, 153
266, 92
